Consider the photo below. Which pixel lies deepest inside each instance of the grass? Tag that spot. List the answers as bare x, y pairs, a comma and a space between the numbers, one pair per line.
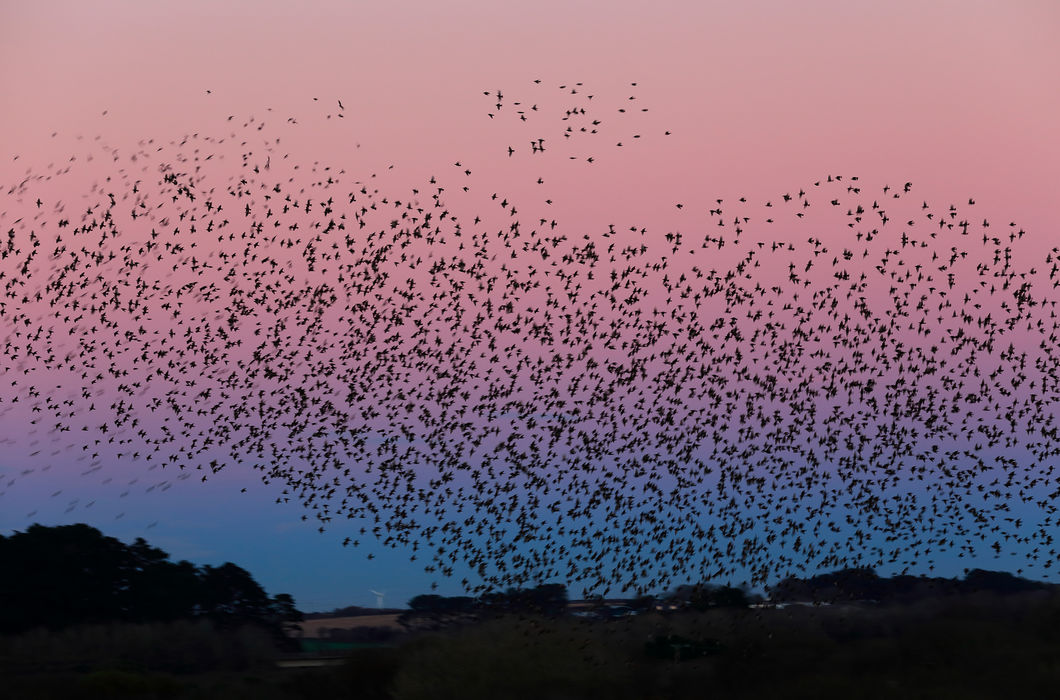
179, 647
981, 647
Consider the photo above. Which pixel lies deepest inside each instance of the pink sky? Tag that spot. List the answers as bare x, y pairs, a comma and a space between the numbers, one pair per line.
761, 97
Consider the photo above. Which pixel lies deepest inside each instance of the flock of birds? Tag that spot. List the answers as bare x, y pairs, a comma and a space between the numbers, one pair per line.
622, 407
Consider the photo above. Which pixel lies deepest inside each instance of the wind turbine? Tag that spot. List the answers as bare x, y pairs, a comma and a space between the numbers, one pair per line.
378, 598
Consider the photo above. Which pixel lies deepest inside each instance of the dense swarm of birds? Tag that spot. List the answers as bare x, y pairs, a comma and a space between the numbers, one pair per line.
622, 407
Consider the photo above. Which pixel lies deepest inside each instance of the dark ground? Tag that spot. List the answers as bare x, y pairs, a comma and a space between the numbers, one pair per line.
981, 646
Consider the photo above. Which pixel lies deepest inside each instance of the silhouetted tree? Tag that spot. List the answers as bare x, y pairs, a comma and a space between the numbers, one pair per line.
706, 596
73, 574
862, 583
730, 597
283, 612
431, 610
998, 582
548, 599
230, 596
427, 603
57, 576
162, 590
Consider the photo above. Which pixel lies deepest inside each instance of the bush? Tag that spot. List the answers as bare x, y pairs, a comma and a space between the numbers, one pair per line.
175, 647
113, 683
512, 658
674, 647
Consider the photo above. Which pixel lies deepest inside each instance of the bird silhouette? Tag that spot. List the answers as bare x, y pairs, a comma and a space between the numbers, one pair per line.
530, 400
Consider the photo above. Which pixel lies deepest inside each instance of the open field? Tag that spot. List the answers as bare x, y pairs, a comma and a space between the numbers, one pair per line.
312, 628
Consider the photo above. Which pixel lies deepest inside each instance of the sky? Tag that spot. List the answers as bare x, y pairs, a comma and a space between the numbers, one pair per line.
760, 99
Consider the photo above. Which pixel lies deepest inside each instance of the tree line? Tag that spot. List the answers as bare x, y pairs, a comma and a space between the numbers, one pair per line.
57, 577
429, 610
67, 575
863, 583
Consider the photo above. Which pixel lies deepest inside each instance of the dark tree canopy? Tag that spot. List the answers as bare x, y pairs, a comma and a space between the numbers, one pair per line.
862, 583
60, 576
436, 610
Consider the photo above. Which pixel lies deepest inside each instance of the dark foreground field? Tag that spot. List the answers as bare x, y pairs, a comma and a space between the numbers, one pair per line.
983, 646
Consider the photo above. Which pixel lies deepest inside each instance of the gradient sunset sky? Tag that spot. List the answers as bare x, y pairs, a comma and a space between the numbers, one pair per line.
761, 98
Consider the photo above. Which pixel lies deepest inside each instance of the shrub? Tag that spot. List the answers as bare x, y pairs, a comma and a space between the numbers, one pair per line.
177, 647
